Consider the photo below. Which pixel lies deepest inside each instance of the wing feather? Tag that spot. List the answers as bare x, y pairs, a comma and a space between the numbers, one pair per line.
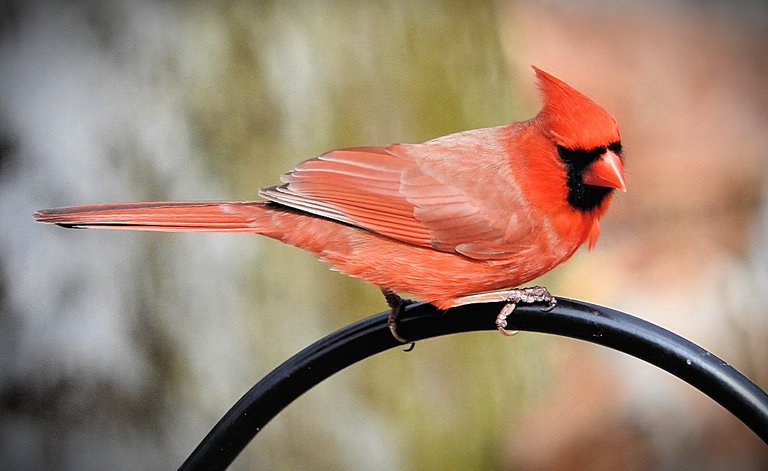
386, 190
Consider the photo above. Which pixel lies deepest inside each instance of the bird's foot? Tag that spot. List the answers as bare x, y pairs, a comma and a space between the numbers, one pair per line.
396, 305
515, 296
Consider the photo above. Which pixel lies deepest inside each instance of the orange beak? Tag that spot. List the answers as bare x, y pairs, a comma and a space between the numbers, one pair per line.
606, 171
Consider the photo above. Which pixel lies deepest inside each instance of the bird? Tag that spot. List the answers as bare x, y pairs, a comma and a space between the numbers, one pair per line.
466, 217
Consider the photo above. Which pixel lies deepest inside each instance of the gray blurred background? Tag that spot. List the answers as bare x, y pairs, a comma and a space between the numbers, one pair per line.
121, 350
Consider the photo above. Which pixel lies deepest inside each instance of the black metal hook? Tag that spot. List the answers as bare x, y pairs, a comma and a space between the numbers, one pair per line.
575, 319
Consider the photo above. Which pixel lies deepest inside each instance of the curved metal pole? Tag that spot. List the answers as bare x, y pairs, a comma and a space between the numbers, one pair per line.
575, 319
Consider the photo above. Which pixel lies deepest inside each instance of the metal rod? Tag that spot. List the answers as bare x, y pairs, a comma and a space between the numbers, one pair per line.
575, 319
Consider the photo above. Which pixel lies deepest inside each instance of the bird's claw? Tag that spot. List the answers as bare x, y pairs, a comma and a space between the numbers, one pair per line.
552, 304
396, 305
534, 294
501, 319
392, 324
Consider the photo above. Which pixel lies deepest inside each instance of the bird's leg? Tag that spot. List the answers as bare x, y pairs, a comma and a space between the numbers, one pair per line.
534, 294
396, 304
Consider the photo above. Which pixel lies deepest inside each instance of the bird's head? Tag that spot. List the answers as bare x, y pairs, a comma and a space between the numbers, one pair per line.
587, 141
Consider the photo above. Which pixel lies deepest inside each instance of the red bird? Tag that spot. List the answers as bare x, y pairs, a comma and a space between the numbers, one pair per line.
447, 220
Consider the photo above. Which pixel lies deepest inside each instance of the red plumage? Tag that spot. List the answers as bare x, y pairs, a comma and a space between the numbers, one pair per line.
470, 212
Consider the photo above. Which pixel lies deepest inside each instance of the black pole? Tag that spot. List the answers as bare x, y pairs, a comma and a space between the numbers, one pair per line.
579, 320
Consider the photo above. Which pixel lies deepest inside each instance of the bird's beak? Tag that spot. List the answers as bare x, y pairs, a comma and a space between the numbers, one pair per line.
606, 171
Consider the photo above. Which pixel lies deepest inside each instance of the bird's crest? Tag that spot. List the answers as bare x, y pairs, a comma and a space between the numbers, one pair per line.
572, 119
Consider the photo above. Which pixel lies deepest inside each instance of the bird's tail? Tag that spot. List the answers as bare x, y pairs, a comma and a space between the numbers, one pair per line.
166, 216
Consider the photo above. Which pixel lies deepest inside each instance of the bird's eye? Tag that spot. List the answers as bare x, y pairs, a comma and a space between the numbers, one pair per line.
571, 155
586, 156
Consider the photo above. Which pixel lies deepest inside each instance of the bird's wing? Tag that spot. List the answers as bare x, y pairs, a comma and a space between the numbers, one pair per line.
384, 190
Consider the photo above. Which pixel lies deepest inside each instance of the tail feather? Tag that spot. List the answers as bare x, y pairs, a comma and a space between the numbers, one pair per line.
164, 216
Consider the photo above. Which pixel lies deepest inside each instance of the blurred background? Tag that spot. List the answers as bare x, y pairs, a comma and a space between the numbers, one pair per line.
121, 350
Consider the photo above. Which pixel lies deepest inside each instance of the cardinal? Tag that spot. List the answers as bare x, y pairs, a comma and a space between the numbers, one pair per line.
462, 218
